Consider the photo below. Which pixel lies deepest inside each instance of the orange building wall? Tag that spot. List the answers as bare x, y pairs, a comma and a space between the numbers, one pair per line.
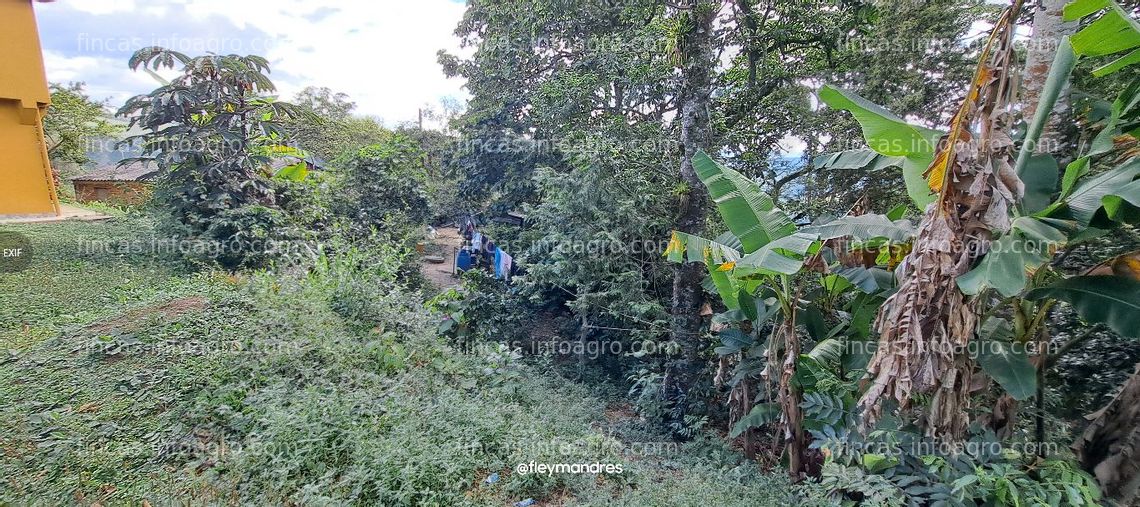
26, 186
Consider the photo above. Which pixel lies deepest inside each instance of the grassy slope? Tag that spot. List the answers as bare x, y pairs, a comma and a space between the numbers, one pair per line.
130, 379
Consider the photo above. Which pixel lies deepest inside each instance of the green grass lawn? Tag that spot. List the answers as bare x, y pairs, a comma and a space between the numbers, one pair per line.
128, 377
75, 279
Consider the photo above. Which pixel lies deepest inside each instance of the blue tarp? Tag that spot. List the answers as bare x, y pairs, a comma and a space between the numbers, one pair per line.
463, 260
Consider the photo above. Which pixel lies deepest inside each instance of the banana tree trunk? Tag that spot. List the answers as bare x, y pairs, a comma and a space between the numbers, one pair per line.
790, 398
925, 327
1110, 446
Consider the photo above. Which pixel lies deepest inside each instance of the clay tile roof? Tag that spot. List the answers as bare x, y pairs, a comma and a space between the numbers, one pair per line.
135, 171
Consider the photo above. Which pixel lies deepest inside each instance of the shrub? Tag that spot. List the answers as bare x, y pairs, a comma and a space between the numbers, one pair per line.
384, 182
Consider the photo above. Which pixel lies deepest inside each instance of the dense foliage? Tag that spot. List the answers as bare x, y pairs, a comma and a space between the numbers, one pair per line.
212, 132
822, 251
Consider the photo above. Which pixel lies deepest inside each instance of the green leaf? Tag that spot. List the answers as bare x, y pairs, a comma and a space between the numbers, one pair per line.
1004, 360
1040, 178
722, 248
897, 212
1063, 63
1040, 230
783, 256
863, 228
891, 136
1103, 143
1111, 33
1073, 172
884, 132
1084, 201
823, 409
446, 326
1005, 266
829, 350
1117, 64
1111, 300
835, 284
1123, 205
1078, 9
725, 285
294, 172
808, 373
748, 305
961, 483
750, 214
868, 280
863, 159
916, 186
875, 463
733, 340
760, 415
811, 318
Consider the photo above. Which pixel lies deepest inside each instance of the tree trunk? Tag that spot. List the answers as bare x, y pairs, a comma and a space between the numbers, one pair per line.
1110, 446
790, 397
696, 58
1048, 29
1056, 139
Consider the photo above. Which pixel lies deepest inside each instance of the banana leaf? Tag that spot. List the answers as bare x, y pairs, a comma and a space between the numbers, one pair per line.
750, 214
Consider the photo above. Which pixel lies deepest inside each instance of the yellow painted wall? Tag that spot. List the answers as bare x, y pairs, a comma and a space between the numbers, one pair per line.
26, 186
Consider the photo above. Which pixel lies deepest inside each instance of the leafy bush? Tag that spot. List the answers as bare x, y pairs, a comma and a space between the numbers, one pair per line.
382, 182
898, 468
212, 131
483, 309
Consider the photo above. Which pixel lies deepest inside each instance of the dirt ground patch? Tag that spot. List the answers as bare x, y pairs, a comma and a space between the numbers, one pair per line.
445, 245
133, 319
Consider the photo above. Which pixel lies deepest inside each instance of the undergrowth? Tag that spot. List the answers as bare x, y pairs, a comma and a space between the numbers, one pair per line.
321, 386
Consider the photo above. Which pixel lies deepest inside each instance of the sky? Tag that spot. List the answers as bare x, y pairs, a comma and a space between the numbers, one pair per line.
382, 53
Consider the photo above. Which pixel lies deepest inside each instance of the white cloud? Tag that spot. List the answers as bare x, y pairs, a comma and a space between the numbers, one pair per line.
106, 78
382, 53
104, 6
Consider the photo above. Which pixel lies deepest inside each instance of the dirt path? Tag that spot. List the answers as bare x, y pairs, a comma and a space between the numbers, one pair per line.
445, 245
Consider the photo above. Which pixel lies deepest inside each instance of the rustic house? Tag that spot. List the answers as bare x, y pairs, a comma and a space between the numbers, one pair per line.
112, 184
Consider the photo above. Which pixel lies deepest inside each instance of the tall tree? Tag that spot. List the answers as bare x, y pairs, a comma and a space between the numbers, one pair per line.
1048, 28
693, 48
570, 115
212, 132
74, 120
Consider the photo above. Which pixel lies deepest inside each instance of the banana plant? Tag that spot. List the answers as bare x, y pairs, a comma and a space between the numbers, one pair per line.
753, 269
1085, 205
1054, 212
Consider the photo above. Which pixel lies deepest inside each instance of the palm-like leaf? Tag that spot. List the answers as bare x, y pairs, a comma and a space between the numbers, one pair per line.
1123, 204
863, 228
867, 160
751, 215
1087, 197
1112, 300
783, 256
688, 247
891, 136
